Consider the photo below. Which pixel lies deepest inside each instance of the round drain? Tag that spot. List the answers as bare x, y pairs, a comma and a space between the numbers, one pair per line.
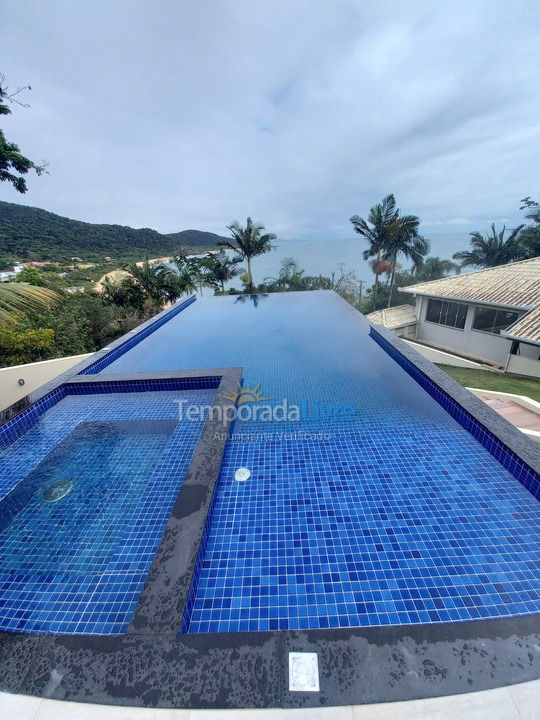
242, 474
56, 492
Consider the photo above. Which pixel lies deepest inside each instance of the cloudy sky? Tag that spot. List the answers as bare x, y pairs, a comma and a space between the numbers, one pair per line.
191, 113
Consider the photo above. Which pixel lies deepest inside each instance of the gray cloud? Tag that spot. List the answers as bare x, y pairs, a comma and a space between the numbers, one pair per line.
190, 114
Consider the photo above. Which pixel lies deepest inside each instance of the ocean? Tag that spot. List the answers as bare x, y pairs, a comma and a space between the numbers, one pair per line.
323, 257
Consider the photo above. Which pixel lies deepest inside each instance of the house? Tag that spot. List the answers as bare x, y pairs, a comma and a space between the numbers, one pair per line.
492, 315
400, 319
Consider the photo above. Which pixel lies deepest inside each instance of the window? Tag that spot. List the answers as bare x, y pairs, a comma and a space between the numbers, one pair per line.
492, 320
446, 313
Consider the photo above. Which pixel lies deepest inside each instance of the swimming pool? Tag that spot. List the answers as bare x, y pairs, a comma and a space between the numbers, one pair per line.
382, 507
373, 507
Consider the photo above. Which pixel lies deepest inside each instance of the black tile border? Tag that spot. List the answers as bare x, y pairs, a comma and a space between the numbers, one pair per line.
154, 665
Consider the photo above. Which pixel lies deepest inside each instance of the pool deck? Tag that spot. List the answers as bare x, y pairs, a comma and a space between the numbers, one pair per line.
516, 414
515, 702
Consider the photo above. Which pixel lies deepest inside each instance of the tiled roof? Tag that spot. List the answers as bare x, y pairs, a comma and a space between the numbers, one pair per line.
516, 285
526, 328
394, 317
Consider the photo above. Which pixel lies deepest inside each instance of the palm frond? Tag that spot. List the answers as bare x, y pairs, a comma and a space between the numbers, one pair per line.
19, 297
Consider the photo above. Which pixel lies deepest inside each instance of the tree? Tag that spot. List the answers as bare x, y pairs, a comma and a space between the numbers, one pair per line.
248, 242
492, 249
404, 239
434, 268
530, 235
124, 293
377, 228
154, 280
13, 164
187, 271
219, 268
381, 267
17, 298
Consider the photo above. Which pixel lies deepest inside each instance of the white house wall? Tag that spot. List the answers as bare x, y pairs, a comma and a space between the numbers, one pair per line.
479, 344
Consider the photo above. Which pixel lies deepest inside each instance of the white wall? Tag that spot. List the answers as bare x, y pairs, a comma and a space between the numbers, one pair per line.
34, 375
444, 358
483, 345
520, 365
408, 331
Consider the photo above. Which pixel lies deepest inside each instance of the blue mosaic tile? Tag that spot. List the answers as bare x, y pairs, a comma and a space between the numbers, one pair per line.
365, 529
519, 469
97, 366
79, 566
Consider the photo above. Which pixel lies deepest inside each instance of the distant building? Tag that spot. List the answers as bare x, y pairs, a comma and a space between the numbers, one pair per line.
492, 315
9, 275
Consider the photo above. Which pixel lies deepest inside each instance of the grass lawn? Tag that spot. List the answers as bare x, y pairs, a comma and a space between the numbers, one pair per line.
486, 380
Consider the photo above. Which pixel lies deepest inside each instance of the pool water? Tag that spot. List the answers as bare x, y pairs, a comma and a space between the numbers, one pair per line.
372, 507
79, 565
105, 465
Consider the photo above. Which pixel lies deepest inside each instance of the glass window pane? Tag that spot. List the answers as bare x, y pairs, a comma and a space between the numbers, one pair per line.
434, 311
484, 319
503, 320
451, 314
461, 316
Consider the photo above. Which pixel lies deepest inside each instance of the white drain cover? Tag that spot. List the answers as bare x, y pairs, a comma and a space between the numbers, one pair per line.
303, 672
242, 474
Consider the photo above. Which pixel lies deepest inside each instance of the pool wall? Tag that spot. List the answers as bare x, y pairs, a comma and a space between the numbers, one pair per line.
154, 665
519, 467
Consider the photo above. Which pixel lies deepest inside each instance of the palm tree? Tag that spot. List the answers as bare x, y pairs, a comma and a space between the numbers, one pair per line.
125, 293
219, 268
18, 298
492, 249
404, 239
530, 235
434, 268
149, 277
187, 271
248, 242
377, 228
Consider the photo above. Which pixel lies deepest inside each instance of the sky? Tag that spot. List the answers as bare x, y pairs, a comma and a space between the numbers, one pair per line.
178, 114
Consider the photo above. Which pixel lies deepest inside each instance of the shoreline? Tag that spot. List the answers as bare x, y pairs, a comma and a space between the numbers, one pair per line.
117, 274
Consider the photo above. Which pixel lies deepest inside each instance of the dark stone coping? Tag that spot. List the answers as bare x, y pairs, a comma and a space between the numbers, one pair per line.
154, 665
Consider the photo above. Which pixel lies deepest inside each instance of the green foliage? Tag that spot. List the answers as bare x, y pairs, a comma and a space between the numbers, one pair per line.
16, 298
530, 235
219, 268
19, 345
492, 249
390, 235
13, 164
248, 242
29, 233
486, 380
30, 276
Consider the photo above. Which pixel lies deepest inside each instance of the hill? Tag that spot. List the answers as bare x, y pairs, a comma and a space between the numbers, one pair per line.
28, 233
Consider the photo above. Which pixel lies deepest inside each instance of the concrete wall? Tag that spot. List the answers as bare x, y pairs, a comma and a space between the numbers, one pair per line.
34, 375
483, 345
520, 365
408, 331
444, 358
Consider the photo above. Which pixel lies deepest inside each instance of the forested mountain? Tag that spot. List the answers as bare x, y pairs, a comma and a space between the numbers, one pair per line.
28, 233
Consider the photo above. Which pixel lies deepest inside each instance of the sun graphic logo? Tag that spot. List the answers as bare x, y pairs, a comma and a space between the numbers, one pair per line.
244, 395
